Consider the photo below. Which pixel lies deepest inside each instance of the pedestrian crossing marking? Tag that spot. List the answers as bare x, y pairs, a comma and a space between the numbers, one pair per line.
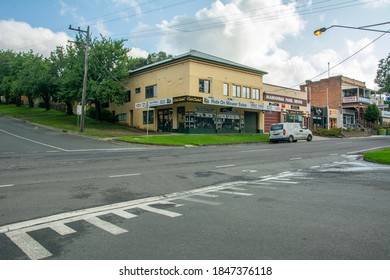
62, 229
200, 201
28, 245
18, 232
159, 211
111, 228
236, 193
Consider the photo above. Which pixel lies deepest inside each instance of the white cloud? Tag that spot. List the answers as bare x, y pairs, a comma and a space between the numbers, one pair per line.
21, 37
137, 52
131, 3
377, 3
247, 32
251, 32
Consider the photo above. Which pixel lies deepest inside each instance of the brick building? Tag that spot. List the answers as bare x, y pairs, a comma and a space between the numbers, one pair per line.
337, 102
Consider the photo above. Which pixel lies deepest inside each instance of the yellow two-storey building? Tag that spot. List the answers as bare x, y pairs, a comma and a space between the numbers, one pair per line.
196, 93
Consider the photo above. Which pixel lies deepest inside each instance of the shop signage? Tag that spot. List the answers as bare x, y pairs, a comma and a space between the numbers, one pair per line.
153, 103
187, 98
364, 100
386, 114
284, 99
294, 107
352, 99
236, 104
332, 112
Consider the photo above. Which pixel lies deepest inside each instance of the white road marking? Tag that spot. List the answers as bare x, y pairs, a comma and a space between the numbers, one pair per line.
124, 214
249, 171
333, 154
235, 193
109, 149
28, 245
159, 211
236, 189
361, 151
284, 182
104, 225
200, 201
33, 141
251, 151
225, 166
207, 195
5, 186
124, 175
62, 229
297, 158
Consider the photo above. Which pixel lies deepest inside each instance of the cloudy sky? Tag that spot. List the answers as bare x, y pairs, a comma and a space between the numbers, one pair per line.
275, 36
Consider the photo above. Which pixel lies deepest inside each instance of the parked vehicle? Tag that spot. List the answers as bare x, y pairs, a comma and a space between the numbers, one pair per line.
291, 132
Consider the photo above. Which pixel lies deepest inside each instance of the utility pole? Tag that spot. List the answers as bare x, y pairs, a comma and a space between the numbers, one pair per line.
84, 94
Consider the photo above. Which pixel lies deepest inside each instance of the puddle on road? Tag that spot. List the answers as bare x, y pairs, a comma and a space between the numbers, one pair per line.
355, 163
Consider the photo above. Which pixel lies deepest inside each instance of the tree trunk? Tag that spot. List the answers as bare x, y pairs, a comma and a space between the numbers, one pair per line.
98, 110
30, 102
69, 108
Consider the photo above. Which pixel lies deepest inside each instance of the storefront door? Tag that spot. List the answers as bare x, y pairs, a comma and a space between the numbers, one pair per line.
165, 117
251, 122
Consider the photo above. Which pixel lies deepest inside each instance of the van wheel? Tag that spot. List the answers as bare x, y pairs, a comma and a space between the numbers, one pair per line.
290, 139
309, 138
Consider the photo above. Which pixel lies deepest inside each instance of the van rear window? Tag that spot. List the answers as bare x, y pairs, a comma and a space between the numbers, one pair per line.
276, 127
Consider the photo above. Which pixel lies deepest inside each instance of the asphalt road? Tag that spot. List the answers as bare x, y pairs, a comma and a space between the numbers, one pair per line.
64, 196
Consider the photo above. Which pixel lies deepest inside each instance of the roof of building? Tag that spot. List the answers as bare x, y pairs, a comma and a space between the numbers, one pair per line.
202, 57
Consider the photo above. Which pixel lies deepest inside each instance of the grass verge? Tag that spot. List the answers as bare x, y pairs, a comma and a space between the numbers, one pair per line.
381, 156
197, 139
62, 121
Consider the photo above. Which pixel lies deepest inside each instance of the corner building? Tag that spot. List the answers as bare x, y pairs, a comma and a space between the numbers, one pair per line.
196, 93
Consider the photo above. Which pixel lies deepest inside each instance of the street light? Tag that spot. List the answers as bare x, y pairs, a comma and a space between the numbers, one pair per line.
319, 32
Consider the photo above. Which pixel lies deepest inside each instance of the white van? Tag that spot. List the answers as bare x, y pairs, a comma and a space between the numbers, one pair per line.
291, 132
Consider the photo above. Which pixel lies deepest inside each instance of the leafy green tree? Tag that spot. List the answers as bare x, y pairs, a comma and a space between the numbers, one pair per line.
107, 68
68, 65
372, 113
383, 75
156, 57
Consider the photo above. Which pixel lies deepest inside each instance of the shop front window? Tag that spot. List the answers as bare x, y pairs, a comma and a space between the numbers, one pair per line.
201, 119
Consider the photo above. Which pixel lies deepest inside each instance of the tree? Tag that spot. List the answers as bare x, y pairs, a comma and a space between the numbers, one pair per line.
68, 66
372, 113
7, 71
383, 75
108, 66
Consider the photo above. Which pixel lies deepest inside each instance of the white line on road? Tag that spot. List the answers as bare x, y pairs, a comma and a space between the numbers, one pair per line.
5, 186
297, 158
235, 193
124, 175
225, 166
201, 201
159, 211
33, 141
62, 229
251, 151
28, 245
361, 151
333, 154
111, 228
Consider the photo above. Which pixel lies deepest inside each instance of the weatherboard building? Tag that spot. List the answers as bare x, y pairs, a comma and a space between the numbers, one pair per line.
200, 93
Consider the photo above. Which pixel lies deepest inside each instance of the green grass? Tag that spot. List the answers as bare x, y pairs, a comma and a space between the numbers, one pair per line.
382, 156
62, 121
197, 139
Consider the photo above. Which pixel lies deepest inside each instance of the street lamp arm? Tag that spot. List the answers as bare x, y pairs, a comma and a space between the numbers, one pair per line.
318, 32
